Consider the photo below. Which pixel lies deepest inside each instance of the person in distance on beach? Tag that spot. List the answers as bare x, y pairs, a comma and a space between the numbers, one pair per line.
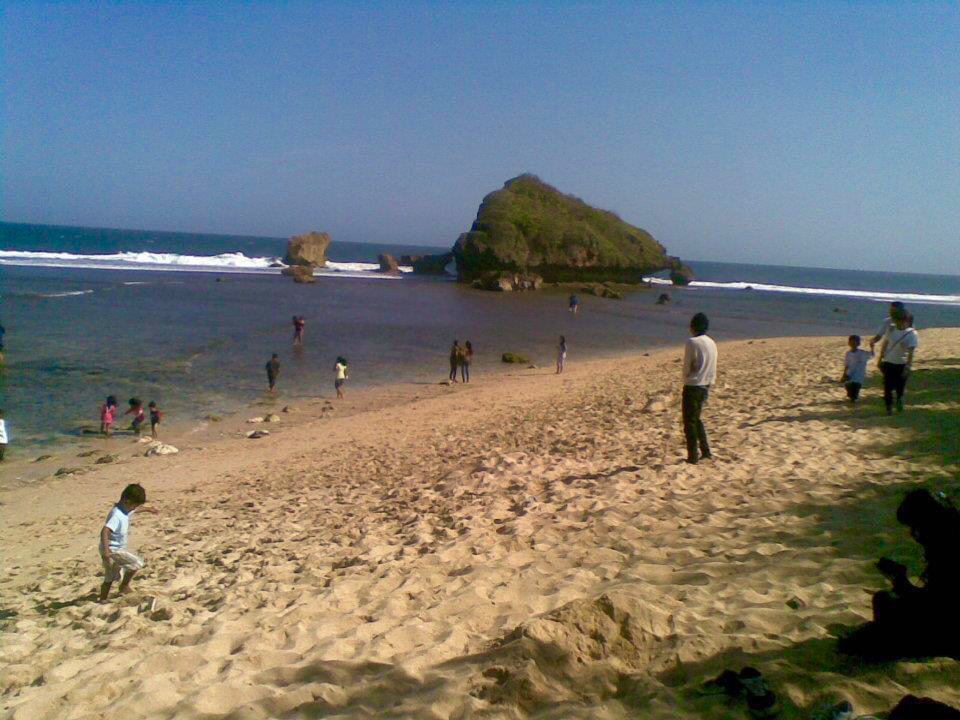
136, 407
273, 371
887, 324
118, 562
456, 357
896, 358
108, 412
3, 436
855, 367
155, 417
340, 376
465, 359
299, 323
574, 304
699, 373
561, 354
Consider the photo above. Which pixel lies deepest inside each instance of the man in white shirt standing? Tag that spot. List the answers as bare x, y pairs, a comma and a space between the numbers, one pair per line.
888, 324
699, 373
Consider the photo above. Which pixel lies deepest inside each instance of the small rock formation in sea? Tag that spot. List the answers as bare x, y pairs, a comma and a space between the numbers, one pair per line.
664, 299
309, 249
299, 273
532, 229
388, 264
680, 274
409, 260
603, 290
431, 264
504, 281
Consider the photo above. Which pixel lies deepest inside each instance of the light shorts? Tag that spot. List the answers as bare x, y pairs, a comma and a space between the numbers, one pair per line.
120, 560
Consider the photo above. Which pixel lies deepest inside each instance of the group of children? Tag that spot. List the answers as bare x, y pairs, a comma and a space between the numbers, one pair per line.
109, 410
898, 341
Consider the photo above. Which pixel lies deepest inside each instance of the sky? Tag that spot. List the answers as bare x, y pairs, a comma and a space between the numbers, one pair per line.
817, 134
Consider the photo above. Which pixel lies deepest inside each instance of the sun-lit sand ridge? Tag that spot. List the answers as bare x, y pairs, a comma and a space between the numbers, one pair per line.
529, 547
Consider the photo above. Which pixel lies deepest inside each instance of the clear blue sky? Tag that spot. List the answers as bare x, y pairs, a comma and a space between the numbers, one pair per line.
794, 133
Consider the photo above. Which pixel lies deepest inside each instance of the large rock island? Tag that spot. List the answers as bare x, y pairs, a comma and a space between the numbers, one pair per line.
530, 229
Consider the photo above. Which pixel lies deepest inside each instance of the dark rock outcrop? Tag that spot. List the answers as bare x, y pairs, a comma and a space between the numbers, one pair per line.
309, 249
680, 274
664, 299
509, 357
603, 290
388, 264
431, 264
508, 281
531, 227
409, 260
299, 273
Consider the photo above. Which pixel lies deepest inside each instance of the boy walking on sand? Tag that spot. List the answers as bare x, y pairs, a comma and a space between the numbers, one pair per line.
855, 367
699, 373
118, 562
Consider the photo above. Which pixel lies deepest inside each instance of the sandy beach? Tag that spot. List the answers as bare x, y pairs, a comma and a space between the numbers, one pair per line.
525, 546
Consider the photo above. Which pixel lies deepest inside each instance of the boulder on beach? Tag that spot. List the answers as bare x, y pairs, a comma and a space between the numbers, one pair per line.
309, 249
299, 273
388, 264
509, 357
530, 227
255, 434
431, 264
159, 448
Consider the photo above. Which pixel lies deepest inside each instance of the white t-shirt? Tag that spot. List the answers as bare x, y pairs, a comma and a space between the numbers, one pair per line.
855, 364
341, 371
118, 523
3, 432
884, 328
701, 353
899, 344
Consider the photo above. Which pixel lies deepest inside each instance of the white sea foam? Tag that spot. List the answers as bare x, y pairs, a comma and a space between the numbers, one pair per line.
915, 298
223, 263
64, 294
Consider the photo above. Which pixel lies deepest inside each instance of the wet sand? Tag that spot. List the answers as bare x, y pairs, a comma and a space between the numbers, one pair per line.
530, 545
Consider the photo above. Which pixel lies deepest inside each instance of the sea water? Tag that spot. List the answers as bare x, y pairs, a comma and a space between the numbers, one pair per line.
190, 320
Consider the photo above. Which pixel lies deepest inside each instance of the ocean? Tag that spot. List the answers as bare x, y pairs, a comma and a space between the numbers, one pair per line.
189, 320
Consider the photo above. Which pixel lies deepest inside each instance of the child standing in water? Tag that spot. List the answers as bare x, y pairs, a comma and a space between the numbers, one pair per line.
3, 436
155, 417
118, 562
299, 323
340, 376
561, 354
108, 413
136, 407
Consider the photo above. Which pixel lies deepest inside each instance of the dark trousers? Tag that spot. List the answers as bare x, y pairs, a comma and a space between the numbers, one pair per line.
465, 372
853, 391
453, 370
894, 381
694, 397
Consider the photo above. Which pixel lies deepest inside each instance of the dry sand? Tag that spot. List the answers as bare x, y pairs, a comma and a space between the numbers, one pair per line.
529, 546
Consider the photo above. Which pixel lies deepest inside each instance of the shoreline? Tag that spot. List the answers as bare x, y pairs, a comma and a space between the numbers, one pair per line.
435, 551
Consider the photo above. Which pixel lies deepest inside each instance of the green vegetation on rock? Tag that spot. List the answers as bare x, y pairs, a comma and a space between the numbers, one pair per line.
529, 226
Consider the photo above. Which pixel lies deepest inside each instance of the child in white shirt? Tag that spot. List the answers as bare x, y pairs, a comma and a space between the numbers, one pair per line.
855, 367
118, 562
